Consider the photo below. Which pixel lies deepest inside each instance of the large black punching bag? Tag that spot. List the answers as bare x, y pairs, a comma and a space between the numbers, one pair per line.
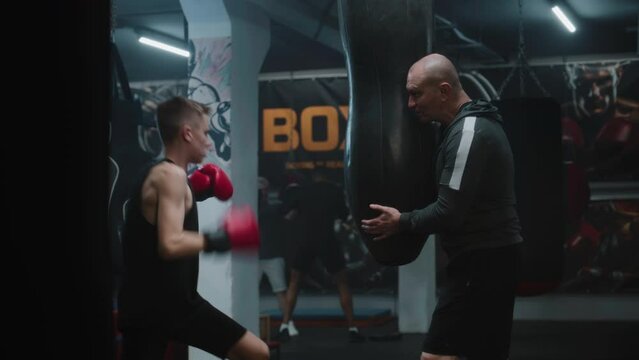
388, 157
533, 127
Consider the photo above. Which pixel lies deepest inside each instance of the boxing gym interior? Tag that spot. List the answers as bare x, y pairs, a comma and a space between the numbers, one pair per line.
301, 89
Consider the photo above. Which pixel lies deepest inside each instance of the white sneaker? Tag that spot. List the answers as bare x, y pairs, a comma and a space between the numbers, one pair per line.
292, 330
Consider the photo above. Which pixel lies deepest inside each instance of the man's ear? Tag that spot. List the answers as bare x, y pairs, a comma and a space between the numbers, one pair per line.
445, 90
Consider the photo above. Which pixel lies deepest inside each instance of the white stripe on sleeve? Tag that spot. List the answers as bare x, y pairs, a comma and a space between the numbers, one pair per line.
468, 133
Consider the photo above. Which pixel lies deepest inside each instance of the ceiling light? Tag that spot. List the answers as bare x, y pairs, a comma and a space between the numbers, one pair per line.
563, 18
160, 45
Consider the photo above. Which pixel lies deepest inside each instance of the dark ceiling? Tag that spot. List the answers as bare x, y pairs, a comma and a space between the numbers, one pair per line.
608, 26
305, 35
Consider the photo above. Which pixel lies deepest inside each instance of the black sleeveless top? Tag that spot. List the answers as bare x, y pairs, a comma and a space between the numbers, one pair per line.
155, 291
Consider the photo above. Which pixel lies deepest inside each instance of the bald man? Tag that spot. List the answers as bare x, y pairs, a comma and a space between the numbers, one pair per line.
474, 215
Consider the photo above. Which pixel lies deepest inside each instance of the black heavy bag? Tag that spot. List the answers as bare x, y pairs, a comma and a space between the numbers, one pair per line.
533, 127
388, 158
126, 156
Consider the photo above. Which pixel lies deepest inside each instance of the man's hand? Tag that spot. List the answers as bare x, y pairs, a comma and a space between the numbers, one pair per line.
384, 225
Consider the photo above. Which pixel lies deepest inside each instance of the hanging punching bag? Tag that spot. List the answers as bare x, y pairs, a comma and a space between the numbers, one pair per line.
388, 157
533, 127
126, 156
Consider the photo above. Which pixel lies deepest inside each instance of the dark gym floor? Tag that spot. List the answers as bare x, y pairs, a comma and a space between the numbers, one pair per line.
531, 340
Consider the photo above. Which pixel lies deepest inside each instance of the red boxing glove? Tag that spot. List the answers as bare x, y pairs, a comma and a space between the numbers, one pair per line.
210, 180
241, 228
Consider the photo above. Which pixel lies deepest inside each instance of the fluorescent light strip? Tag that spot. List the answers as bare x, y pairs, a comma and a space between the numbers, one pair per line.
163, 46
564, 19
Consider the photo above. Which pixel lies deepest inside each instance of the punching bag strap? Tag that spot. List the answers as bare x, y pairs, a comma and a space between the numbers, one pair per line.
120, 75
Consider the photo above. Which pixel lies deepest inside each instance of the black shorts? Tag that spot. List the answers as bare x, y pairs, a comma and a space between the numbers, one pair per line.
474, 313
327, 248
207, 328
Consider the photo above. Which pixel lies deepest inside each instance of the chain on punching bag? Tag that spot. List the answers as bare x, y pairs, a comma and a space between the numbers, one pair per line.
389, 156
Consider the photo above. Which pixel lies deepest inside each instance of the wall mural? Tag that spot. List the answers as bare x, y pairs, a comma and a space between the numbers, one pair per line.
210, 83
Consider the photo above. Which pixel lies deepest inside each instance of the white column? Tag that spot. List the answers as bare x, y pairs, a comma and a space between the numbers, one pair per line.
231, 40
251, 39
416, 291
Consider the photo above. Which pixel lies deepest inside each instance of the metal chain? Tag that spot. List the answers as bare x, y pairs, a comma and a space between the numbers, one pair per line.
521, 63
530, 71
536, 80
522, 50
508, 77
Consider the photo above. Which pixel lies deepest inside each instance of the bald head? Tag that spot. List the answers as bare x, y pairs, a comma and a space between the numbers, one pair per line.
434, 90
434, 69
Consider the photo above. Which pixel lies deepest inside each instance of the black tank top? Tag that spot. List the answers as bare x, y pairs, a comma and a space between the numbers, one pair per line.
155, 291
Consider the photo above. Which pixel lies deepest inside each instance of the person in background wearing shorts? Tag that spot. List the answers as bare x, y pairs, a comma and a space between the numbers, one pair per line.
317, 206
271, 252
